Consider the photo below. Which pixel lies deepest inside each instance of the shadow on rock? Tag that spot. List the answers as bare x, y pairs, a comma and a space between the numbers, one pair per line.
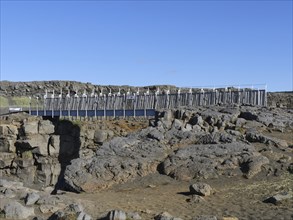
69, 148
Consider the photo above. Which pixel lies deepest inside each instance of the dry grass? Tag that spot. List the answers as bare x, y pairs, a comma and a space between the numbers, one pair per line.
18, 101
3, 102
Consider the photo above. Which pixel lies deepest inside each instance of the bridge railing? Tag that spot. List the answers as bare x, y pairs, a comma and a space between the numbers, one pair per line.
119, 104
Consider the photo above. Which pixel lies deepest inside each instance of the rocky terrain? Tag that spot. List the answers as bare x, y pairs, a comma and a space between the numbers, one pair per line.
219, 162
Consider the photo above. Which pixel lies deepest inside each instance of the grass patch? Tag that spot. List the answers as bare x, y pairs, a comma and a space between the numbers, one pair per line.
3, 102
18, 101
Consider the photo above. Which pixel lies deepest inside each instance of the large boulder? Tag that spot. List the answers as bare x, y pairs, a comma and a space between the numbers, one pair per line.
201, 189
116, 161
208, 161
252, 165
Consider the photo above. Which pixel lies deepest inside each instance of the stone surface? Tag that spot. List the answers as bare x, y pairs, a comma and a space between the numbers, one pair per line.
253, 164
47, 208
23, 163
46, 127
48, 171
248, 115
9, 193
72, 211
155, 134
10, 184
26, 174
8, 130
6, 159
4, 144
116, 161
280, 198
37, 143
100, 136
15, 210
74, 208
205, 160
258, 137
196, 120
177, 124
201, 189
30, 128
195, 199
116, 215
83, 216
133, 215
166, 216
32, 198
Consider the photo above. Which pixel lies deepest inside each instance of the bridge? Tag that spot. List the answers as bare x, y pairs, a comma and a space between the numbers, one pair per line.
139, 104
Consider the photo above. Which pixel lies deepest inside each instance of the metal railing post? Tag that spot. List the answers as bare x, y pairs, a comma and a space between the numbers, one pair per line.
105, 106
124, 105
37, 106
30, 103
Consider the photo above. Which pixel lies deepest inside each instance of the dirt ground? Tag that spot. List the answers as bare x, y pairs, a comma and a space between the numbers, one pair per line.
237, 197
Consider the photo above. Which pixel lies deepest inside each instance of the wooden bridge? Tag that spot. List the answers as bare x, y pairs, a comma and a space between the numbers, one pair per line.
140, 105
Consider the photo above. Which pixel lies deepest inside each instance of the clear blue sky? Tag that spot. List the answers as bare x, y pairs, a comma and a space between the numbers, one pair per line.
183, 43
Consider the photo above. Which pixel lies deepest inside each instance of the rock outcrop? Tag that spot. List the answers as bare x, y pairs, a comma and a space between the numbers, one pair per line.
185, 144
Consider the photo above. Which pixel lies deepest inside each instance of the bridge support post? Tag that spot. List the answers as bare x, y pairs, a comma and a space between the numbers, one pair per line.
44, 106
134, 105
104, 106
30, 103
86, 107
144, 106
124, 106
114, 106
37, 106
52, 108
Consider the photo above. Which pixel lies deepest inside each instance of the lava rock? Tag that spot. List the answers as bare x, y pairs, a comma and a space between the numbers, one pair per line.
201, 189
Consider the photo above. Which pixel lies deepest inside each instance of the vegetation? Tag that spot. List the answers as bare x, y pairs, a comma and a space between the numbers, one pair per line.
27, 155
3, 102
18, 101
